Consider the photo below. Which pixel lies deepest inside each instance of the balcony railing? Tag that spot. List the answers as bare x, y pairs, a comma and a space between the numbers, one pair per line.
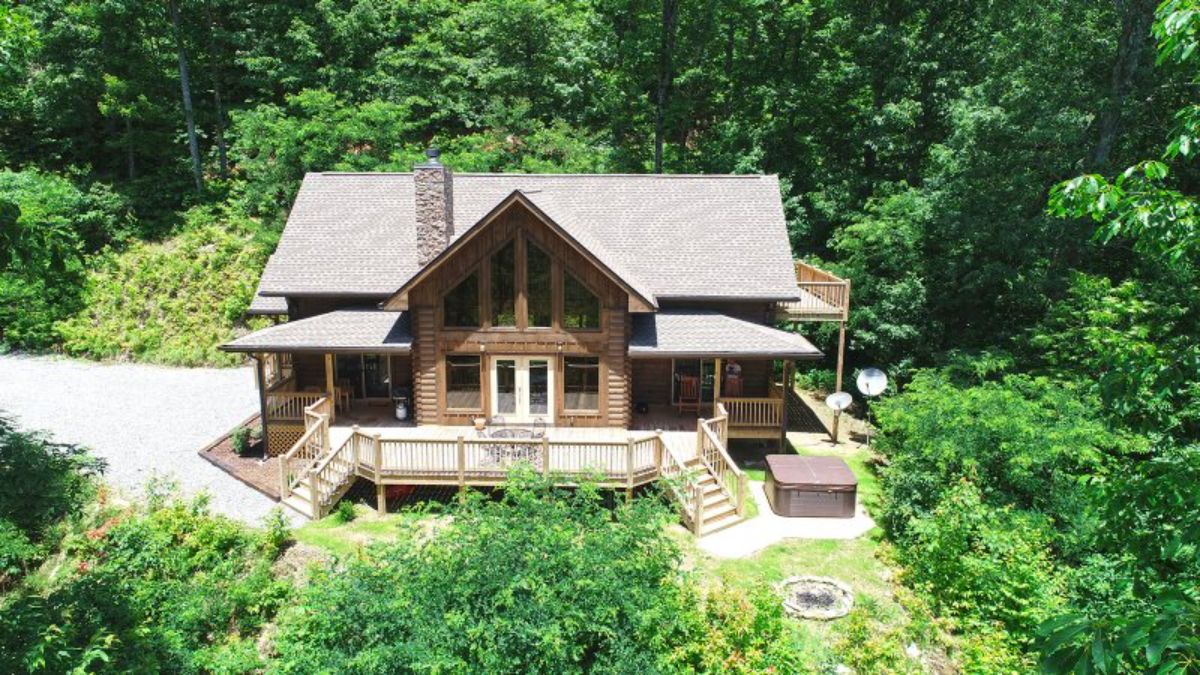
823, 296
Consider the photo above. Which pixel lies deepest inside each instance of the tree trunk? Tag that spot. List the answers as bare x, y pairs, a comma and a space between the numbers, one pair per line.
186, 89
222, 154
670, 15
1136, 17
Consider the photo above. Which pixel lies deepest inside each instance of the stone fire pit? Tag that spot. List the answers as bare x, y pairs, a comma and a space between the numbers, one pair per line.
820, 598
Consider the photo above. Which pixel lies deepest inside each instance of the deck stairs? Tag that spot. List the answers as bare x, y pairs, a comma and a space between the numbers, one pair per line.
317, 493
718, 509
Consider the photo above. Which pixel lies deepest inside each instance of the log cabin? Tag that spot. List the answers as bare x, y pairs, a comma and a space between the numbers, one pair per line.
436, 327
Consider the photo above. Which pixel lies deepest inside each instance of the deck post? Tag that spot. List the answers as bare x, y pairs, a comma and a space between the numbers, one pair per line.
743, 490
841, 360
261, 379
698, 511
329, 389
285, 490
545, 456
462, 464
658, 452
717, 377
783, 412
377, 458
628, 468
700, 439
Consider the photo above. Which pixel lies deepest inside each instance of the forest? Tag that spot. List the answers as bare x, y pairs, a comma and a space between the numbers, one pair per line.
1008, 185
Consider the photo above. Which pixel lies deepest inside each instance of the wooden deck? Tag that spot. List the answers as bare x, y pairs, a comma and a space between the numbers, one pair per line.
328, 458
823, 296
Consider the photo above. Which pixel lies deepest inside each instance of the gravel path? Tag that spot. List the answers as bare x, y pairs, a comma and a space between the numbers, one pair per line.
142, 419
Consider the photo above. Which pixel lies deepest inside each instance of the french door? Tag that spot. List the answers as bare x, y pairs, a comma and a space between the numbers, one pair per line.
523, 388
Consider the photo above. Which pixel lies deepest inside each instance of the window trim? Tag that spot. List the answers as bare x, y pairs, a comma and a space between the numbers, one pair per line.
599, 370
446, 389
599, 303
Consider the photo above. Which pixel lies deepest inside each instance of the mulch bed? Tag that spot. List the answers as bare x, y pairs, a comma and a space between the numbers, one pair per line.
254, 468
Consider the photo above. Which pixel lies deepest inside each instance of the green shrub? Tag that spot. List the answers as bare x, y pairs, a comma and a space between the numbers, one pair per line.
42, 482
984, 565
344, 513
543, 580
174, 589
241, 440
16, 553
173, 302
1024, 441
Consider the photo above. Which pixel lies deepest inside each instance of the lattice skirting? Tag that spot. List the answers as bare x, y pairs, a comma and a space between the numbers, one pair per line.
281, 436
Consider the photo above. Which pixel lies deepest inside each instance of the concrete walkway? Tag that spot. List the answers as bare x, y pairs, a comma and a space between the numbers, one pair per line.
766, 529
143, 420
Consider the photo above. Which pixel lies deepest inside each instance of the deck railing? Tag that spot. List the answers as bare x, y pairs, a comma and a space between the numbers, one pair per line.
822, 295
290, 405
711, 449
465, 460
761, 412
295, 464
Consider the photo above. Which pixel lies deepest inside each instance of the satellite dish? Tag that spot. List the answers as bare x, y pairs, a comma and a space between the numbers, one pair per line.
838, 401
872, 381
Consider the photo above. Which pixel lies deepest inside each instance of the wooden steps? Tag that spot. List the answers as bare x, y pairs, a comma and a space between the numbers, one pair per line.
718, 509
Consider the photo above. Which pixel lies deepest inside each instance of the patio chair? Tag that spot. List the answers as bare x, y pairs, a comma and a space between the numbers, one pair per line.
689, 394
539, 428
498, 420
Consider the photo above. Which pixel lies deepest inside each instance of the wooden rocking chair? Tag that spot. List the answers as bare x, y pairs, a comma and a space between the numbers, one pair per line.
689, 394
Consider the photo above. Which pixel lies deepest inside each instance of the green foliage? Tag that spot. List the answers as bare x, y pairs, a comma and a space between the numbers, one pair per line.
173, 302
42, 482
1139, 343
172, 589
344, 513
984, 565
47, 227
17, 552
1024, 441
240, 440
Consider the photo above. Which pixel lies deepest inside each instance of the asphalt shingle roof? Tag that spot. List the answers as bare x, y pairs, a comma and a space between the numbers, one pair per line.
706, 334
674, 236
341, 330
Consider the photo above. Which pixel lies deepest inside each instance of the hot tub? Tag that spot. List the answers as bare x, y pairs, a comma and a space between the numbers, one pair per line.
810, 487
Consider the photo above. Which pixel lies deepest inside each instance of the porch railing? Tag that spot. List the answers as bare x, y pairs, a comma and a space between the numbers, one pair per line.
711, 448
294, 465
753, 412
290, 405
822, 295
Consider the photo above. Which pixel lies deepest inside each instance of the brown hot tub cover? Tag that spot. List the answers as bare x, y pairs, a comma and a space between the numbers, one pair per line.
800, 486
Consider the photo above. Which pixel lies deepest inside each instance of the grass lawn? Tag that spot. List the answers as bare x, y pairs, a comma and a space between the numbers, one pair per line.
343, 539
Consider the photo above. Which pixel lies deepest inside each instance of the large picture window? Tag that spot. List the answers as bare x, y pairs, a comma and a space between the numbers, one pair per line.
581, 307
581, 383
504, 286
538, 287
463, 391
460, 308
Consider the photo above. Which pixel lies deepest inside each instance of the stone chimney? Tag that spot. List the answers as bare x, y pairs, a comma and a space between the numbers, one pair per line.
433, 190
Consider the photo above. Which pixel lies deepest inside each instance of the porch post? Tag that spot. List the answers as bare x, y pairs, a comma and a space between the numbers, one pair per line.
841, 353
783, 414
329, 390
718, 375
261, 379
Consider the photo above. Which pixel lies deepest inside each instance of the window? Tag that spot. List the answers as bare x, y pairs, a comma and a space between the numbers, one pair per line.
537, 284
365, 375
504, 286
581, 383
581, 307
460, 308
462, 382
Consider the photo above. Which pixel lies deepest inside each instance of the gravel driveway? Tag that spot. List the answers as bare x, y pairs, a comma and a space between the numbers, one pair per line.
142, 419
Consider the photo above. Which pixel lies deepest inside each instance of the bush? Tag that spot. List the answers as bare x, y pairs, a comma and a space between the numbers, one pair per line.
344, 513
984, 565
1024, 441
240, 440
42, 482
174, 589
16, 553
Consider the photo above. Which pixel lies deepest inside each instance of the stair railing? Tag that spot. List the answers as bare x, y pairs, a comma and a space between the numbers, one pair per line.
710, 448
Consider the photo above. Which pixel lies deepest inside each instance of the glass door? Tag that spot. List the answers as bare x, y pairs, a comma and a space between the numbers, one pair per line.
522, 388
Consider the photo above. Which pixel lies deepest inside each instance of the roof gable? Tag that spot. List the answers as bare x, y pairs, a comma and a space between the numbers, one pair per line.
593, 251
